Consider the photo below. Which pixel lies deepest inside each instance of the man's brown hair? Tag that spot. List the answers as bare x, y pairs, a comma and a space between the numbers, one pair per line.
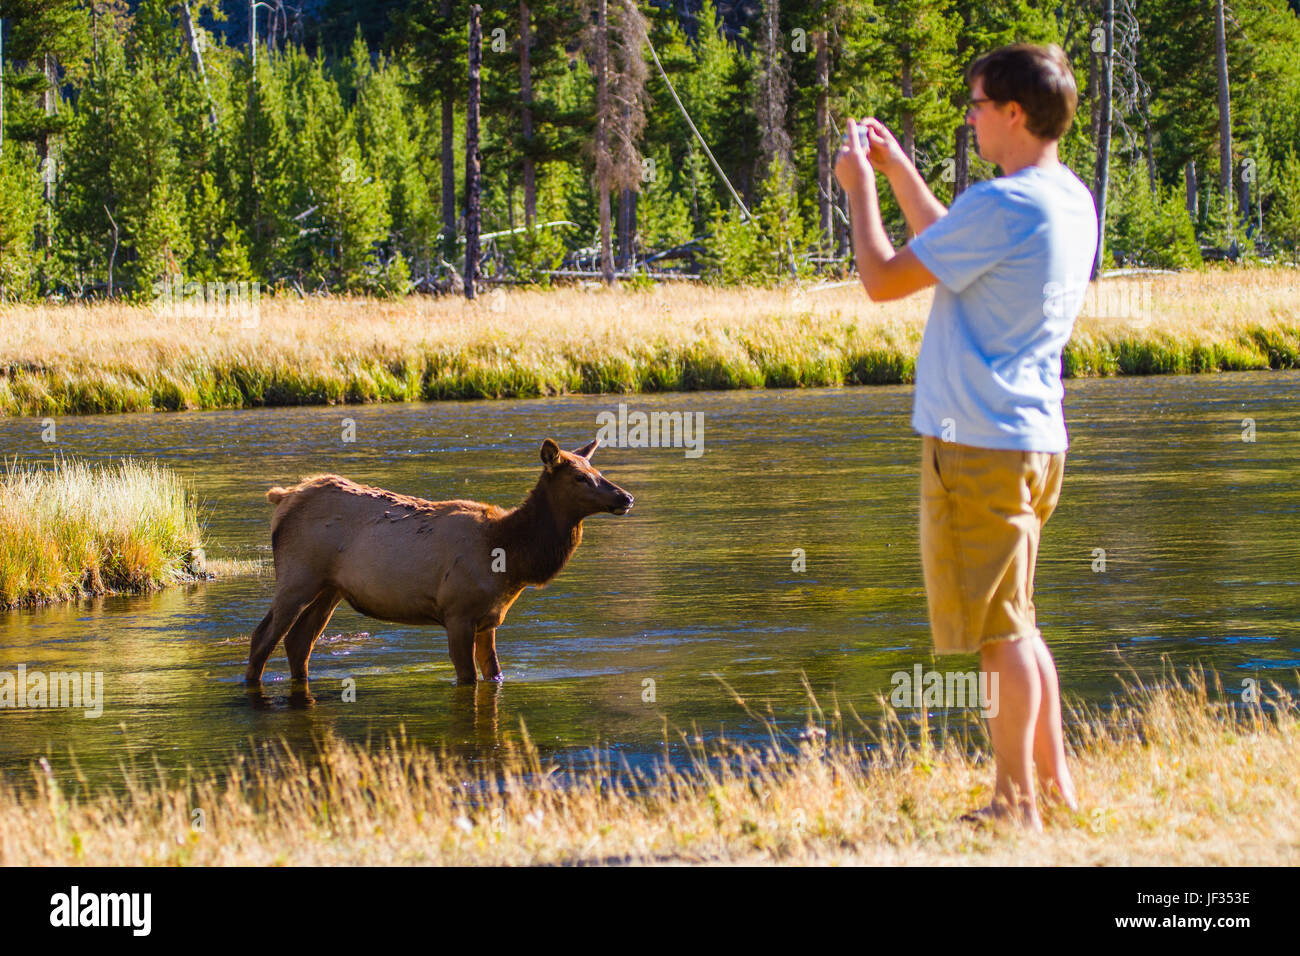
1039, 78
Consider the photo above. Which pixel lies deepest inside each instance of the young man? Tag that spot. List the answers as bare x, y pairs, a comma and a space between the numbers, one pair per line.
1011, 260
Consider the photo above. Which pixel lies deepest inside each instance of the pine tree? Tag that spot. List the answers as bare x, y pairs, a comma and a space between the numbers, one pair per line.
20, 195
52, 38
433, 44
391, 136
90, 193
1284, 213
344, 215
986, 25
771, 90
145, 167
914, 44
698, 60
615, 43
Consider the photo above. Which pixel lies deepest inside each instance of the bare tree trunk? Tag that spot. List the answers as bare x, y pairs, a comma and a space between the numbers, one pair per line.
526, 114
47, 149
1225, 113
471, 152
843, 238
1144, 106
250, 116
909, 118
602, 138
112, 259
626, 229
1189, 177
695, 185
616, 47
510, 197
824, 178
1094, 114
196, 57
2, 87
961, 164
448, 166
620, 232
1101, 182
774, 140
281, 21
1243, 185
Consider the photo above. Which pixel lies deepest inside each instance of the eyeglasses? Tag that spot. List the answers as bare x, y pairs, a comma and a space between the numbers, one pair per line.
975, 101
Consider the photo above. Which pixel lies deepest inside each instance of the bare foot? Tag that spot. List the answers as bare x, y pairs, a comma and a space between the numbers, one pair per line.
982, 817
1053, 794
996, 813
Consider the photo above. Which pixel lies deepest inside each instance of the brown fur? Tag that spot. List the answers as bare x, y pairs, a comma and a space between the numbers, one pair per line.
411, 561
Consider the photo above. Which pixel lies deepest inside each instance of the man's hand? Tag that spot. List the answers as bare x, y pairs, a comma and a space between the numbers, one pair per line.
884, 274
852, 168
919, 205
883, 150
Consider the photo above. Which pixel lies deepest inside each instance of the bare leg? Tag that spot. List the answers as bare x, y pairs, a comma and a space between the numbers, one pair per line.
485, 654
1049, 740
1012, 727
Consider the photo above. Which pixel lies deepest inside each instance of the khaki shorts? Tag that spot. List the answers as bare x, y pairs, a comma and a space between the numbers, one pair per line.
982, 514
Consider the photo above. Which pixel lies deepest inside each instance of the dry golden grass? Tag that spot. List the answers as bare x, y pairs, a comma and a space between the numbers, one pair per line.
237, 567
1169, 775
73, 359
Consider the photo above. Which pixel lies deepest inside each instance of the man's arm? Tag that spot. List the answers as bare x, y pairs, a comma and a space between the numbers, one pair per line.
885, 274
919, 205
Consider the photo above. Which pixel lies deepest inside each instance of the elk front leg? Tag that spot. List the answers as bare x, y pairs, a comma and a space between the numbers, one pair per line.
460, 641
485, 653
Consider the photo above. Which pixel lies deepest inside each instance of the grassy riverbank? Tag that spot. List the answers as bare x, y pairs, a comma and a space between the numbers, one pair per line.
1168, 776
73, 529
109, 358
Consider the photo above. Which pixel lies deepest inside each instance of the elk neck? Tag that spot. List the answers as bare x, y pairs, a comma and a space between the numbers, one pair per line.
537, 537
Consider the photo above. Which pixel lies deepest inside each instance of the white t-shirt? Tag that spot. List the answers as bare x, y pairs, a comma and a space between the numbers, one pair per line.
1012, 257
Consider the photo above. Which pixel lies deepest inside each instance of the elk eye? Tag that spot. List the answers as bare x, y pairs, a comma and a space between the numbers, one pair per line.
580, 478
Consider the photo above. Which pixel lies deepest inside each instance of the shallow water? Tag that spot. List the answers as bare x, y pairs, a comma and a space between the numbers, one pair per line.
1201, 533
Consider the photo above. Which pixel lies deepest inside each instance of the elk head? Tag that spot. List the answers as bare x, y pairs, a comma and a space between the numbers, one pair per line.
575, 487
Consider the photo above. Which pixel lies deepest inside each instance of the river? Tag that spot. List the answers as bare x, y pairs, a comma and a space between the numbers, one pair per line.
785, 550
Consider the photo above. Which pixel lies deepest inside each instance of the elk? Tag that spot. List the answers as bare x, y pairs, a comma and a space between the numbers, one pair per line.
460, 564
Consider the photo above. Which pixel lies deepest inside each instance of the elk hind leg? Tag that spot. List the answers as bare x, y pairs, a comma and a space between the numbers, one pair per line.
288, 604
260, 648
306, 630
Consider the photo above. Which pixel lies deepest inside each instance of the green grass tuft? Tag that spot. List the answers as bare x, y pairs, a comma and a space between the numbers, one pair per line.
73, 529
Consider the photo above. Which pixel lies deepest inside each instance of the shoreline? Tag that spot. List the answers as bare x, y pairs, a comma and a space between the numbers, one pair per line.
102, 359
1180, 774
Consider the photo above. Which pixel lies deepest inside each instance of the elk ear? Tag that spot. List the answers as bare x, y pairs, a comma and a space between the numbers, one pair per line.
550, 454
586, 450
